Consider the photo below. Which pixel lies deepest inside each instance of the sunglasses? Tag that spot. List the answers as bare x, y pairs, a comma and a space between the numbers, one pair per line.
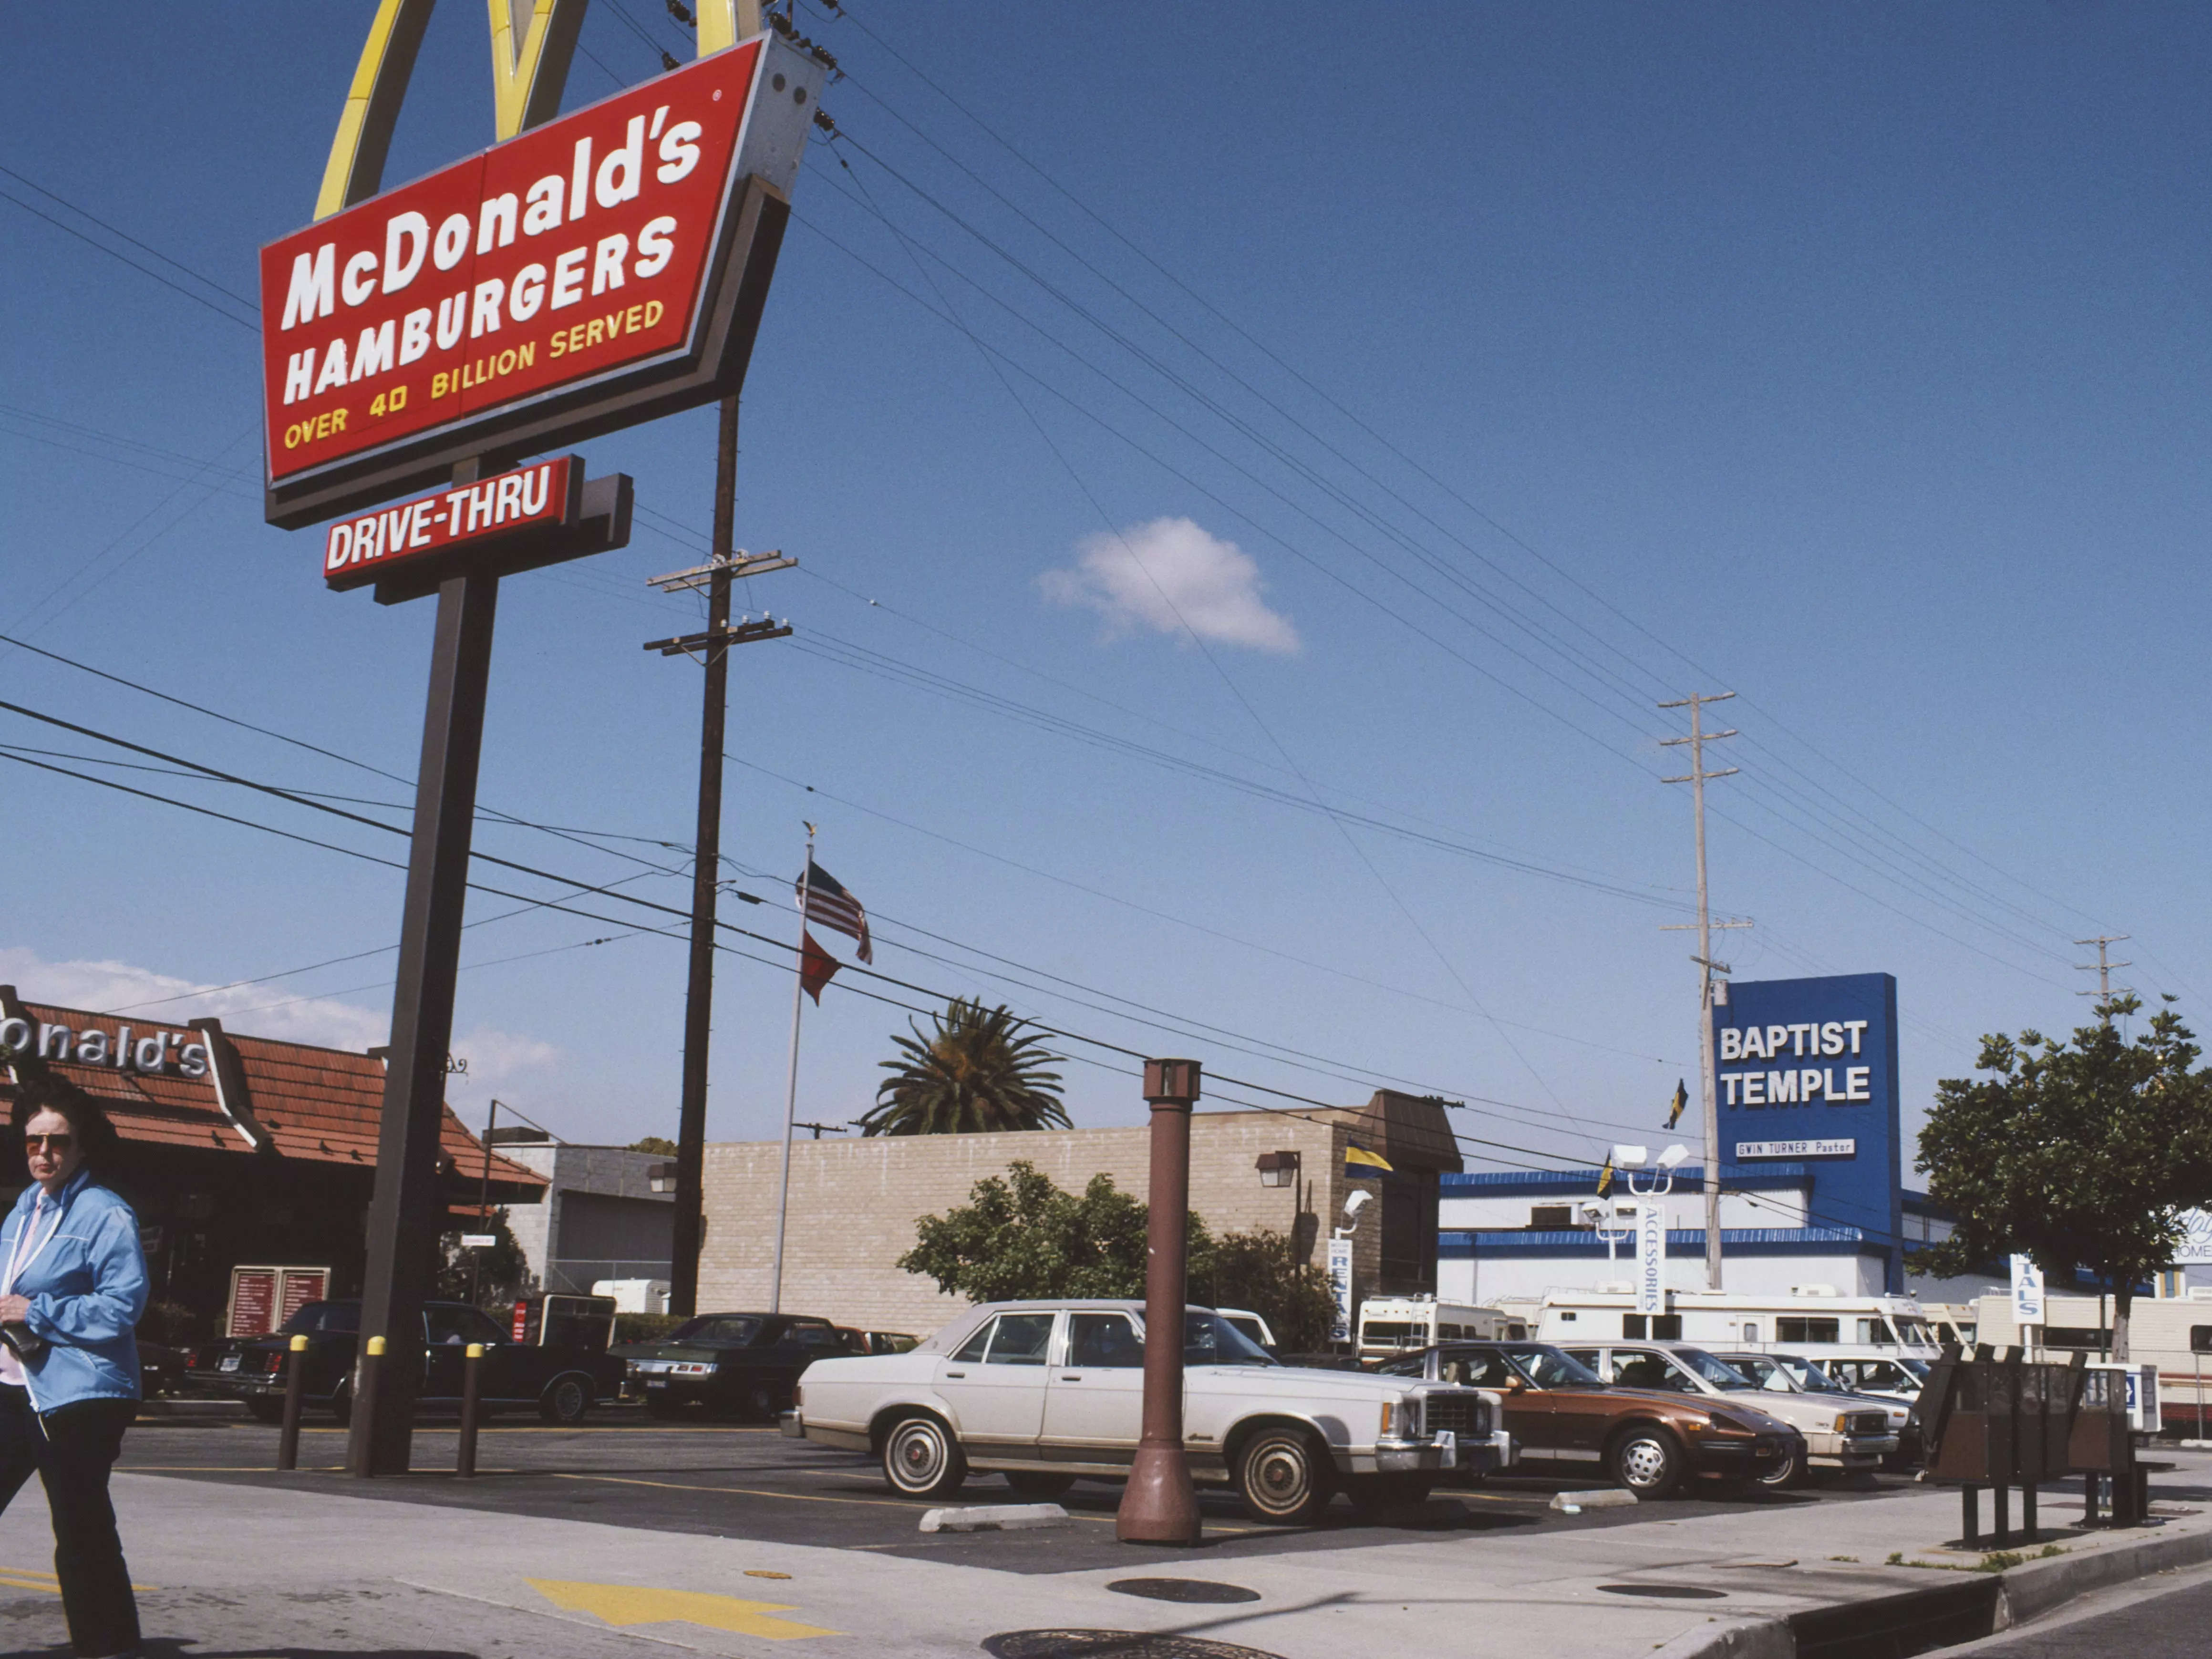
55, 1143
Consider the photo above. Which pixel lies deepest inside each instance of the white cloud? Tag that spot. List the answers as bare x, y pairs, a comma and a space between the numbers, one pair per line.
494, 1056
1167, 573
119, 988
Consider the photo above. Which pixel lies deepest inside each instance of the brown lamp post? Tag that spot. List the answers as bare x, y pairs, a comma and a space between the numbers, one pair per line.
1160, 1505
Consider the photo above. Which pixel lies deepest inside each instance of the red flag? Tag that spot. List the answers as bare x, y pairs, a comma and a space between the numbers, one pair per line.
816, 965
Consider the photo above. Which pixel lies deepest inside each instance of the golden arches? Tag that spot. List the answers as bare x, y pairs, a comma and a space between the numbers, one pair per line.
527, 77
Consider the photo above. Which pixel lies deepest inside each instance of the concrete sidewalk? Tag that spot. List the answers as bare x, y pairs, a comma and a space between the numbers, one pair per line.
233, 1570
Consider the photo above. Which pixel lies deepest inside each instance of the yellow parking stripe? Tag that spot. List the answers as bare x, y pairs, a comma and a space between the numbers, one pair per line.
622, 1605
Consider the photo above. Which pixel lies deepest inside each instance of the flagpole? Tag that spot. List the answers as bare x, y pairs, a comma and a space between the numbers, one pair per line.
791, 1083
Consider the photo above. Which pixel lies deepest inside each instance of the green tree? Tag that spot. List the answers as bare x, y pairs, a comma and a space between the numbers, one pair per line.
2079, 1154
1020, 1236
497, 1275
1261, 1270
977, 1072
660, 1144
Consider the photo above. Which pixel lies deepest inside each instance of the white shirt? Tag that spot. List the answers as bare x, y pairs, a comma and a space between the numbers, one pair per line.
12, 1369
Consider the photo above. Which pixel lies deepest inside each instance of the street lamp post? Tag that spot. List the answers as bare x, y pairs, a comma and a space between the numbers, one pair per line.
1159, 1505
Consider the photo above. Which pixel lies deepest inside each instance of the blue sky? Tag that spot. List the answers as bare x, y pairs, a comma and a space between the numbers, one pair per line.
1472, 377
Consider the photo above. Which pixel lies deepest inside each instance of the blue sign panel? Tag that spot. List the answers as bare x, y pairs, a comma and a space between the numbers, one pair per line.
1806, 1072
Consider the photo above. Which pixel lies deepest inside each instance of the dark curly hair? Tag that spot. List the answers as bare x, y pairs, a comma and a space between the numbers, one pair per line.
95, 1134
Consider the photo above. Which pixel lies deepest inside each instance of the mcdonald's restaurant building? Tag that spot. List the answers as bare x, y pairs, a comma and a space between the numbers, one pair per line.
854, 1202
235, 1150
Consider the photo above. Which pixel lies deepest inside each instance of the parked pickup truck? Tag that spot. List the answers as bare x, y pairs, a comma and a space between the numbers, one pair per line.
561, 1383
1048, 1393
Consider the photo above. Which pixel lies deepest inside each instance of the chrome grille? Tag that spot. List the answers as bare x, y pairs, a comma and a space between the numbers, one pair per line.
1463, 1413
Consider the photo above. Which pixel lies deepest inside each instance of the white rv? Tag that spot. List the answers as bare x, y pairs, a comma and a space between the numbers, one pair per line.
1396, 1324
2172, 1333
1806, 1320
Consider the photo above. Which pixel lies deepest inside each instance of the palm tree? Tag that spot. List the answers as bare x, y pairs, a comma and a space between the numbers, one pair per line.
977, 1072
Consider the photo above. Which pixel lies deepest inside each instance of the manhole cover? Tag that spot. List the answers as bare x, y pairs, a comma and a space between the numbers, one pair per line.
1111, 1645
1182, 1590
1666, 1592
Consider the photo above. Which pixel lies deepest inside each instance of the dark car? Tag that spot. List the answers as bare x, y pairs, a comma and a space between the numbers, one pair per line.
877, 1342
560, 1382
740, 1363
1564, 1418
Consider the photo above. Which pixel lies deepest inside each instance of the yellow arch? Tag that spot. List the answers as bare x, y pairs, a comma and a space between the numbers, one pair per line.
527, 78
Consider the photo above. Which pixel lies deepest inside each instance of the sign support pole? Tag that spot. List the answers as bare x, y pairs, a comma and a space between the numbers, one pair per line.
706, 876
1160, 1505
406, 1211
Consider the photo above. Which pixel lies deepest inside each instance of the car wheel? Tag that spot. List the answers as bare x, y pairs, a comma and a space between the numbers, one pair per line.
1036, 1483
922, 1459
566, 1400
1647, 1461
765, 1401
1789, 1471
1382, 1494
1284, 1475
265, 1411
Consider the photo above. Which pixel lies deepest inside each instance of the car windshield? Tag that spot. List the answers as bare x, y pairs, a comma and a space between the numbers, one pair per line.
735, 1329
339, 1318
1547, 1368
1725, 1377
1918, 1367
1808, 1376
1210, 1339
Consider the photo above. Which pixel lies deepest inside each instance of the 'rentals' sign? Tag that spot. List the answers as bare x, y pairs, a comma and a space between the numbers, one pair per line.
596, 271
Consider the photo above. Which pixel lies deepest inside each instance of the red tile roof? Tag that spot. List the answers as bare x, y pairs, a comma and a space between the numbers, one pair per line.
319, 1105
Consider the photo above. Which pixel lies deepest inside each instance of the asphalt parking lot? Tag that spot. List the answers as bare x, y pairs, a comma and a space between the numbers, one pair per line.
746, 1481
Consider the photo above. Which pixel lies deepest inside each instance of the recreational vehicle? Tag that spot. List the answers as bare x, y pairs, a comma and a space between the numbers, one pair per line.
1807, 1320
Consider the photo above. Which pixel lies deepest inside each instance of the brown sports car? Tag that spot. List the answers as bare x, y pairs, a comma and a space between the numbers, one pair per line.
1563, 1419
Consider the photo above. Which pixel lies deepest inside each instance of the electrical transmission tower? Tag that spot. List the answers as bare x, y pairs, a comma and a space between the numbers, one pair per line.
1696, 777
2102, 967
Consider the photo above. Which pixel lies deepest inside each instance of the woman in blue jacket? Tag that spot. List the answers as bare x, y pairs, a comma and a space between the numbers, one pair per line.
72, 1286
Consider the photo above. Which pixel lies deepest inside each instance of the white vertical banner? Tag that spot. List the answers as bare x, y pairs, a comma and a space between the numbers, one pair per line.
1340, 1285
1651, 1259
2026, 1291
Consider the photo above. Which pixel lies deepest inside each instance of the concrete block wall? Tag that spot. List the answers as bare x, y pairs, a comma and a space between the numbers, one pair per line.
855, 1203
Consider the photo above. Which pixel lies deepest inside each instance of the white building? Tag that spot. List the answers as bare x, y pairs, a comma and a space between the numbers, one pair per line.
1509, 1235
601, 1217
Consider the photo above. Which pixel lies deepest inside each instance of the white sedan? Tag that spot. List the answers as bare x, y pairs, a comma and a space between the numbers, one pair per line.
1046, 1393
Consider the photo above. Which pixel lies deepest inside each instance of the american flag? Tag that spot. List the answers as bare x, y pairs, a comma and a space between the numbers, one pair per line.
826, 902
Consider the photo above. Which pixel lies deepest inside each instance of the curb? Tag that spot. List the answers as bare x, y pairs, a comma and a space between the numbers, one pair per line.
1964, 1610
2032, 1588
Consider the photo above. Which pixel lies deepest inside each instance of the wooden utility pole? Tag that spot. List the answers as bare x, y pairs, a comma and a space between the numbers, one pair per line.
706, 878
1707, 968
714, 645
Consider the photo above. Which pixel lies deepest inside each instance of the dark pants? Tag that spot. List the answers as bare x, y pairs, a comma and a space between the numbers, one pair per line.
73, 1448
